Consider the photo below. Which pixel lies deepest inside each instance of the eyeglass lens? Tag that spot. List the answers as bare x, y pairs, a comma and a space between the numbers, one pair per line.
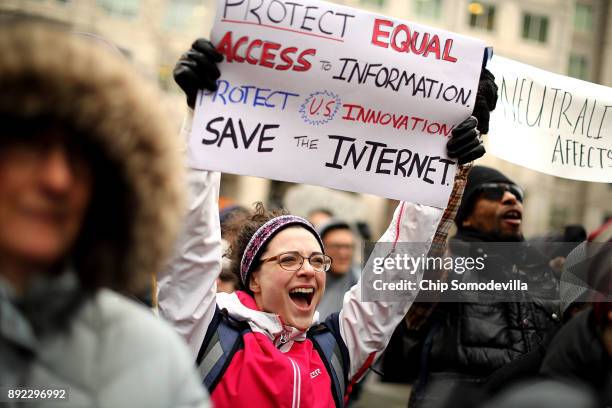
293, 261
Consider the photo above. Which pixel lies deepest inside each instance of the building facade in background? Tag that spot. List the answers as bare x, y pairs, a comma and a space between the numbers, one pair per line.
569, 37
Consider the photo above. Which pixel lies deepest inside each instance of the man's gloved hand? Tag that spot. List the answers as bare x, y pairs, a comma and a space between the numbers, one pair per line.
197, 69
486, 99
465, 145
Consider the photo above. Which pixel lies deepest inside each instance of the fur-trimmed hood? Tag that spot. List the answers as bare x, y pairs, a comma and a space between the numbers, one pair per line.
59, 77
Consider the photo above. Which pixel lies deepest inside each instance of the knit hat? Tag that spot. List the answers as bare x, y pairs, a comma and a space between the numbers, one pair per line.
478, 176
263, 235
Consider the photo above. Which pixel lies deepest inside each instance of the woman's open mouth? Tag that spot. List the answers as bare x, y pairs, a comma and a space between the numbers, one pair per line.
302, 297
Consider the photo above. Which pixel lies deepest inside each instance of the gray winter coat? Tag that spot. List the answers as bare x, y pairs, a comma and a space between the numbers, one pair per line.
111, 352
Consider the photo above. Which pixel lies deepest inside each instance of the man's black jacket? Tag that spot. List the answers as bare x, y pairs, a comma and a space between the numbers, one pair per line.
475, 342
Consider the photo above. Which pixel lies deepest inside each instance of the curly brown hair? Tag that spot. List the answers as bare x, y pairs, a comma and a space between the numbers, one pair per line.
242, 229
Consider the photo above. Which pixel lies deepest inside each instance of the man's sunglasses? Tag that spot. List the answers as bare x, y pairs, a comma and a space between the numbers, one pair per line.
495, 191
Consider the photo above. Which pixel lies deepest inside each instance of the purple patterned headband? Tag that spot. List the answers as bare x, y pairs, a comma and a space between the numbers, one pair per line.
263, 235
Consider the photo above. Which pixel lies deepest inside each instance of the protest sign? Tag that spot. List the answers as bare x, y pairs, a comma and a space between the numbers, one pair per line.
551, 123
318, 93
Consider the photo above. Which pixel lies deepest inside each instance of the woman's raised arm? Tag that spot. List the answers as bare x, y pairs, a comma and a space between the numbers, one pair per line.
186, 288
366, 327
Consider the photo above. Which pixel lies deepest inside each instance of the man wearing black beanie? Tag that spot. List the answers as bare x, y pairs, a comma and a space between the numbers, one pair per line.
480, 344
491, 208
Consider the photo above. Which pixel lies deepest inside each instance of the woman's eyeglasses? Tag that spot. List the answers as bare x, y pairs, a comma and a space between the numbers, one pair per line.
495, 191
293, 261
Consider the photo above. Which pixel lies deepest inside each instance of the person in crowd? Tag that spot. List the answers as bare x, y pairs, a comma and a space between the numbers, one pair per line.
581, 352
227, 281
320, 216
454, 344
577, 368
261, 346
575, 233
90, 201
339, 242
228, 213
364, 230
557, 246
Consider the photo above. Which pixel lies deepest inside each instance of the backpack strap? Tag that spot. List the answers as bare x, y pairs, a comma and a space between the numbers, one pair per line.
334, 355
223, 339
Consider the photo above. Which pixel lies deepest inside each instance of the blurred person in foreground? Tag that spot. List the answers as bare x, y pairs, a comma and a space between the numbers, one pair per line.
486, 344
339, 241
90, 201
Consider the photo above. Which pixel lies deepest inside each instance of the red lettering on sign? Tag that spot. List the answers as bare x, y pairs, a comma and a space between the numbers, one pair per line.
272, 55
368, 116
377, 32
403, 39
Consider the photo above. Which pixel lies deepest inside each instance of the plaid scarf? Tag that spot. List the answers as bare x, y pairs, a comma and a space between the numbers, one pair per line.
420, 311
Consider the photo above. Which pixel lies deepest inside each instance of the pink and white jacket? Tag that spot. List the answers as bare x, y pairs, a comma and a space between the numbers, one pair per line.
278, 365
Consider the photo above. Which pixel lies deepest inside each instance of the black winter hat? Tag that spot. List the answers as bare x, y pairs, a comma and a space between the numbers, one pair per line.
478, 176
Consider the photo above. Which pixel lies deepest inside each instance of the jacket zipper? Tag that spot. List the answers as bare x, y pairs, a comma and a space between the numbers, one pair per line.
297, 382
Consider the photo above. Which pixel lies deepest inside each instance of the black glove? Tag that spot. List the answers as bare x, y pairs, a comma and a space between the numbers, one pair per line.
486, 99
465, 145
197, 69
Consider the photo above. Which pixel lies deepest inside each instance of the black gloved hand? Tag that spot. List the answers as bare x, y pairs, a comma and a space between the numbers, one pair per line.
465, 145
197, 69
486, 99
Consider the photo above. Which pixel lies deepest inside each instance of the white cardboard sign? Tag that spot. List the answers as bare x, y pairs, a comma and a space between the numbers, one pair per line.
551, 123
318, 93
